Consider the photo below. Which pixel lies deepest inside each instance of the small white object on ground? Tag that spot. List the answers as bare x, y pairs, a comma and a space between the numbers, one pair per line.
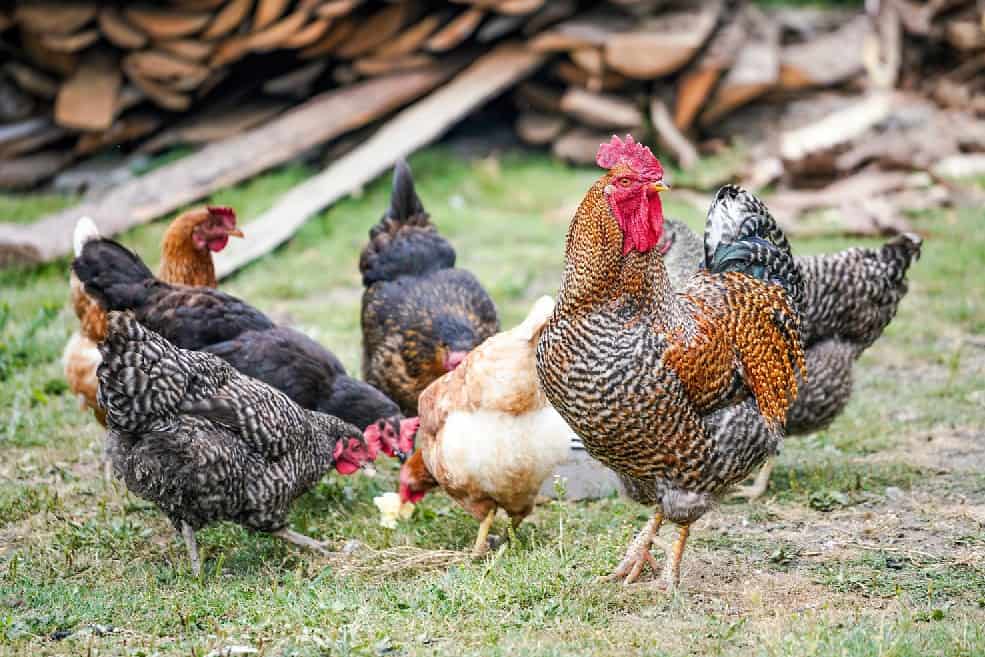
392, 510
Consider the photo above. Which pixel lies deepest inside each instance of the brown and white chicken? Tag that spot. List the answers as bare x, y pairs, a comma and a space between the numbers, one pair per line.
488, 435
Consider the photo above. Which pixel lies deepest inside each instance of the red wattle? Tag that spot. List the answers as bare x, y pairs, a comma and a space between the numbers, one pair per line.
346, 467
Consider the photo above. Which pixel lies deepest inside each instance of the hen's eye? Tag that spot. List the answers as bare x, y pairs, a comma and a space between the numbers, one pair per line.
625, 182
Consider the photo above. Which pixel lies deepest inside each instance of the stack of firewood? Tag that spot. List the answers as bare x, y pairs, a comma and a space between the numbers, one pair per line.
83, 76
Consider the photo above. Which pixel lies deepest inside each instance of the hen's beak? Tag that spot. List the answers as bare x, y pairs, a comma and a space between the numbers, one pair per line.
235, 232
659, 186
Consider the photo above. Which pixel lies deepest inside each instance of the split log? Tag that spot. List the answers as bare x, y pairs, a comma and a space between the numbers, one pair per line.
602, 111
661, 45
119, 31
31, 80
590, 30
836, 128
375, 31
828, 60
221, 164
162, 23
88, 99
28, 171
669, 137
216, 123
231, 16
54, 17
410, 129
456, 31
579, 145
539, 129
697, 82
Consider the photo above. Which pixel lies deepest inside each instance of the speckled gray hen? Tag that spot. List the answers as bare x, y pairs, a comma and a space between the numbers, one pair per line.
205, 443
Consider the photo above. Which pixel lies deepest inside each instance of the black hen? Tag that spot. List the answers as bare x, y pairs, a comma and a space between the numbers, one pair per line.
206, 319
420, 314
205, 443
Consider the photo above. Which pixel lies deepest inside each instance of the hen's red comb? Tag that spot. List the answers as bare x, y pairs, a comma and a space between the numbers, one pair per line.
225, 212
631, 153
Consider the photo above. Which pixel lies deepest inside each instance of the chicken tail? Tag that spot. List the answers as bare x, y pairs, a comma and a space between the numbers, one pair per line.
111, 273
742, 236
537, 318
144, 380
85, 230
404, 242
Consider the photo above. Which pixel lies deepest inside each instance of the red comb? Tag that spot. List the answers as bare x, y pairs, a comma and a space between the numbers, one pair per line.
631, 153
223, 211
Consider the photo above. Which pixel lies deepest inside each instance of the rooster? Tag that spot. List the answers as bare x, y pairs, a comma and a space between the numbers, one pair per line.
635, 368
487, 435
849, 298
205, 443
206, 319
420, 314
186, 259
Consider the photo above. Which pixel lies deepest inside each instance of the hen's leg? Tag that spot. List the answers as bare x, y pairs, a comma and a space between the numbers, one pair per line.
301, 540
188, 533
672, 568
761, 483
481, 546
638, 554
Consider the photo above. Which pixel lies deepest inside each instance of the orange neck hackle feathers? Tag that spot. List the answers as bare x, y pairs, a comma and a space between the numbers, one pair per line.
190, 240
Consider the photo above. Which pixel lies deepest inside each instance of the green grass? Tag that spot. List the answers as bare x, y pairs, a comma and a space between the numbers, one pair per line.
830, 563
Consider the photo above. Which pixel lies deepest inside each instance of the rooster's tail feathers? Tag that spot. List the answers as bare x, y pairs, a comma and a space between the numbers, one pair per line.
741, 235
85, 230
144, 379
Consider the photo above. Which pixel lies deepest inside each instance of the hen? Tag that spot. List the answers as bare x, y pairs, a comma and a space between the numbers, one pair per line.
207, 319
849, 298
488, 437
186, 259
420, 314
205, 443
635, 368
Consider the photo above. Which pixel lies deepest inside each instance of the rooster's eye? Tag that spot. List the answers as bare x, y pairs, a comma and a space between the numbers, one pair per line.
625, 182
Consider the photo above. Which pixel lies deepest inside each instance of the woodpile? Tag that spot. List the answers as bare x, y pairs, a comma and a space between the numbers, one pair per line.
816, 95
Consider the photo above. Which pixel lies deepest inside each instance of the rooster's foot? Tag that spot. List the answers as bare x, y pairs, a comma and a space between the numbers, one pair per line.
638, 554
482, 546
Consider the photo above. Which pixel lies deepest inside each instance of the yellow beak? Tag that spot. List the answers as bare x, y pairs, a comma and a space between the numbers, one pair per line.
235, 232
659, 186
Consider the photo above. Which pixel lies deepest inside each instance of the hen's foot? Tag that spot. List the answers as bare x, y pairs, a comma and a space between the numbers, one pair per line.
301, 540
188, 533
481, 543
759, 486
638, 554
672, 567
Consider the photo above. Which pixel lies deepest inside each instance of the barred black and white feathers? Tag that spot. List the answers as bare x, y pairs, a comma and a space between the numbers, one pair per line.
741, 235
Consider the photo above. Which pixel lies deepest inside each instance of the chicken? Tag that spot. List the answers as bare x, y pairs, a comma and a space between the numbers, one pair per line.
420, 314
488, 436
635, 368
207, 319
186, 259
206, 444
849, 298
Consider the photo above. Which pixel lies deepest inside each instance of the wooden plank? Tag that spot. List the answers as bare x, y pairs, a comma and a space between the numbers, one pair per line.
215, 123
409, 130
221, 164
88, 99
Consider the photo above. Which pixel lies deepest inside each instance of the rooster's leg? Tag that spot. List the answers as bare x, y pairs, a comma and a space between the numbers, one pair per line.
672, 568
638, 554
301, 540
481, 546
188, 533
760, 484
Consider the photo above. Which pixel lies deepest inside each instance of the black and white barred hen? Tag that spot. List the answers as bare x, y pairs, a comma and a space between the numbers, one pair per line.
205, 443
849, 299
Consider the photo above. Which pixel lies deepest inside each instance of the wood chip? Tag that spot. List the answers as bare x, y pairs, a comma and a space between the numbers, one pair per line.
539, 129
413, 37
163, 66
228, 18
70, 42
375, 30
54, 17
267, 12
336, 36
119, 31
601, 110
661, 45
166, 23
88, 99
456, 31
31, 80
